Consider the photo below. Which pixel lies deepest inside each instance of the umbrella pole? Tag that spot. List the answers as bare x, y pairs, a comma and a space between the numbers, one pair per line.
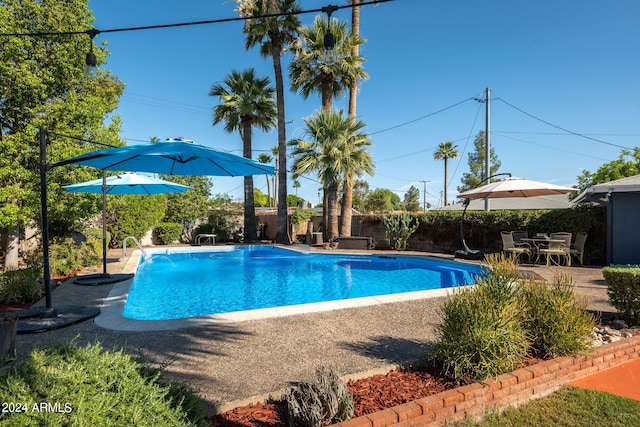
104, 222
49, 311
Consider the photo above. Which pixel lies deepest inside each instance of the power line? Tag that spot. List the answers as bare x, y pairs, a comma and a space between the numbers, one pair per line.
423, 117
563, 129
93, 32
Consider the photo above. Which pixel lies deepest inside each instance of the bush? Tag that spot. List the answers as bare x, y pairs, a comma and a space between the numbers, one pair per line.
92, 387
22, 286
133, 215
623, 288
325, 402
556, 318
482, 334
65, 256
169, 232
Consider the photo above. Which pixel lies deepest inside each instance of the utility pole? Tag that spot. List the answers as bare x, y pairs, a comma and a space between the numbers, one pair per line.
487, 140
424, 195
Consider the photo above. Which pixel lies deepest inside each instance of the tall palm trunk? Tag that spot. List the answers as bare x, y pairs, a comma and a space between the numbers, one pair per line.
282, 236
347, 190
332, 199
445, 181
250, 224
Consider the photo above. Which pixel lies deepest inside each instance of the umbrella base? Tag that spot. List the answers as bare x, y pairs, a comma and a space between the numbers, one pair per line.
101, 279
37, 319
469, 254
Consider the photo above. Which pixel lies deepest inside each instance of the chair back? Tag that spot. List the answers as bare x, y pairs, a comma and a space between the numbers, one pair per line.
518, 236
507, 240
581, 238
562, 236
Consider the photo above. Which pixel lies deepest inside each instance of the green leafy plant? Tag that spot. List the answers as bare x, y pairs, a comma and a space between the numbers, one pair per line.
556, 318
91, 386
623, 289
398, 229
134, 215
325, 402
301, 216
482, 334
22, 286
169, 232
66, 256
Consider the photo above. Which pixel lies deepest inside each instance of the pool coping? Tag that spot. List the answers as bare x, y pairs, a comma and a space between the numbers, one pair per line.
112, 307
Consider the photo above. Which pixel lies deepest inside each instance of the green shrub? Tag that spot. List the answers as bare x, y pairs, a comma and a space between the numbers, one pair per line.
302, 216
398, 229
623, 288
92, 233
22, 286
65, 256
325, 402
92, 387
556, 318
488, 329
482, 333
169, 232
134, 215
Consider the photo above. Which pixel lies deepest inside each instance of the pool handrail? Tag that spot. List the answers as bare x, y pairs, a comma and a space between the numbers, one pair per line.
124, 246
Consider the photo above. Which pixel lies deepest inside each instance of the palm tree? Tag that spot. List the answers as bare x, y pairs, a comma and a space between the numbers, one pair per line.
446, 150
309, 74
265, 158
336, 147
272, 33
245, 101
347, 191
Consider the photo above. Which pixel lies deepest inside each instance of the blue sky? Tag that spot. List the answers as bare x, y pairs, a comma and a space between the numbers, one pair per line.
571, 65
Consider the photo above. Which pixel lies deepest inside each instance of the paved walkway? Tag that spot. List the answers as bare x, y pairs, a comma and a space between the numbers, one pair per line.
230, 362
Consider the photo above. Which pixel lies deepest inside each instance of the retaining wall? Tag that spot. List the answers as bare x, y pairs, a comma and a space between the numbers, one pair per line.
474, 400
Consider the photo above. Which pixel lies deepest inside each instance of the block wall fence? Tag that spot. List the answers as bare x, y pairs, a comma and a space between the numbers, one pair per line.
474, 400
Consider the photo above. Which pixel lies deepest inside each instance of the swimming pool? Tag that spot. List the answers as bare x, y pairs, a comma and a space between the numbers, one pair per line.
176, 284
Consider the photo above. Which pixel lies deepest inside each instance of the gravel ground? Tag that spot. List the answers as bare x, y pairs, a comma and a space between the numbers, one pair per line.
232, 363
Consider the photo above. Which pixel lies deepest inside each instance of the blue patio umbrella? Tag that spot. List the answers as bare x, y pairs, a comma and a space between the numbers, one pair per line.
172, 157
128, 183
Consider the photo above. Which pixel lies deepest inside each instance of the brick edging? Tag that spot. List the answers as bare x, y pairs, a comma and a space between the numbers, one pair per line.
473, 400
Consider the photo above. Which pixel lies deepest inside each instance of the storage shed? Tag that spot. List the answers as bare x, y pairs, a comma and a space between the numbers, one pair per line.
622, 200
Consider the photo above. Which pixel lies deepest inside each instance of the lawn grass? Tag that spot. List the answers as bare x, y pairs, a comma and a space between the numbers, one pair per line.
570, 407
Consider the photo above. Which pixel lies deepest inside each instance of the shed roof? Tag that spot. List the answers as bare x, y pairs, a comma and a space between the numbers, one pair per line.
630, 184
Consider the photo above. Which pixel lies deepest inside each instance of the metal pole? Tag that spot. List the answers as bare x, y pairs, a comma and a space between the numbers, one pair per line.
104, 222
487, 140
49, 311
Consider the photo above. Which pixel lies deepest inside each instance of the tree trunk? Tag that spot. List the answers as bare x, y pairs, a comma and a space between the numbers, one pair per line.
346, 212
347, 191
282, 236
332, 192
12, 257
445, 181
250, 224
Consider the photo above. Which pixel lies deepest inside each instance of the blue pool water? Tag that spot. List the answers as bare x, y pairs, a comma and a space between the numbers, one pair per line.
189, 284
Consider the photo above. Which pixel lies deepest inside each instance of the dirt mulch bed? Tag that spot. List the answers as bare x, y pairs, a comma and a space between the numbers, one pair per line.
370, 395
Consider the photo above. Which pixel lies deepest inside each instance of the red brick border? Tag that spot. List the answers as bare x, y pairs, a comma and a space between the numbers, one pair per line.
473, 400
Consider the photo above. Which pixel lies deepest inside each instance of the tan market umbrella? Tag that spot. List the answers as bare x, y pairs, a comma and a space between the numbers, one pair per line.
509, 187
514, 187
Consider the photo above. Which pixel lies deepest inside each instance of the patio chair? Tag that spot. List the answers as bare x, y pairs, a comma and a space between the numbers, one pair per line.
556, 247
577, 248
509, 246
518, 236
562, 236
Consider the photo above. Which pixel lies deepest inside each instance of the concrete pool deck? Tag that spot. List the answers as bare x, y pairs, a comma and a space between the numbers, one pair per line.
230, 363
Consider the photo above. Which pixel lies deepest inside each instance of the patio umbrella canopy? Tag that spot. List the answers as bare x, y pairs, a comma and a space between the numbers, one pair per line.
171, 157
509, 187
514, 187
128, 183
